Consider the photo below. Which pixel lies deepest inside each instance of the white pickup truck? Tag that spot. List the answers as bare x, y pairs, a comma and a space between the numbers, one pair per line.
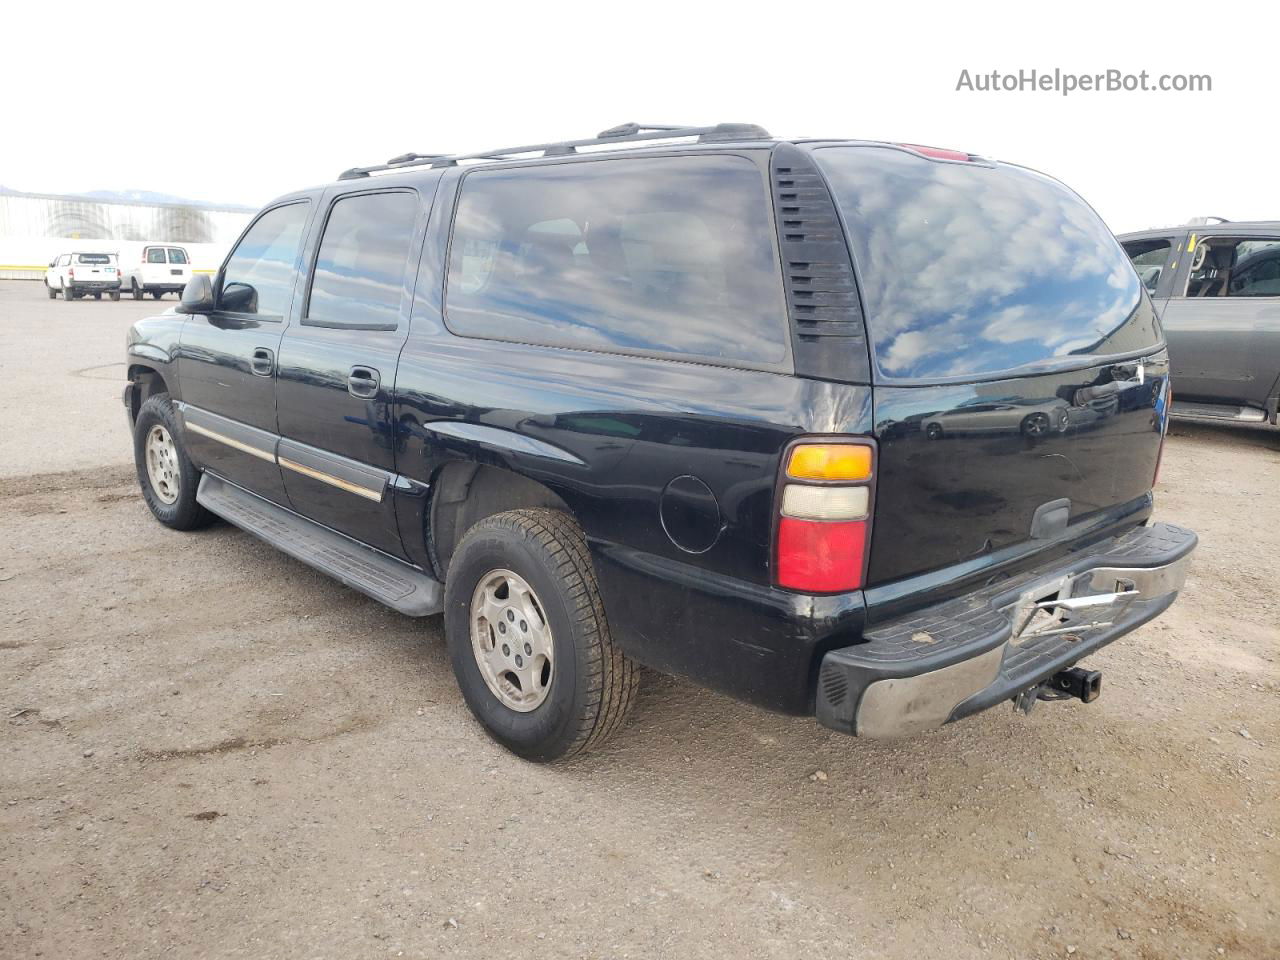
78, 274
159, 269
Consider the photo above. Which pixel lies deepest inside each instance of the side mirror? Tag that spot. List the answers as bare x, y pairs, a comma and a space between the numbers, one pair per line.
197, 295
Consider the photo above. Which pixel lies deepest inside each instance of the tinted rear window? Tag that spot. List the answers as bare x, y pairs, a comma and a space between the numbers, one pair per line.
969, 270
93, 258
177, 255
663, 256
358, 279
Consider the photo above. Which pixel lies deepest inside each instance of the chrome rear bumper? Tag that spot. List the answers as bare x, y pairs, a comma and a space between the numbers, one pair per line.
972, 652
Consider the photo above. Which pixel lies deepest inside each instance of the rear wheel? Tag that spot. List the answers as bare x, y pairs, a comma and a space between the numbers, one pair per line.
528, 638
165, 472
135, 290
157, 294
114, 294
69, 293
53, 294
97, 295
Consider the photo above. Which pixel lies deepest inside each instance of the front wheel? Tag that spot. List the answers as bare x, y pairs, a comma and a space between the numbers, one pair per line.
165, 472
1035, 424
528, 639
135, 290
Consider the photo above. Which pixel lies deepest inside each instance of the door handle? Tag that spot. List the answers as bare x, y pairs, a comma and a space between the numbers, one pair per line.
363, 382
263, 362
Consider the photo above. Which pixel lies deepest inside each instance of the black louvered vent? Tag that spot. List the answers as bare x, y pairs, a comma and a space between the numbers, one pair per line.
828, 333
835, 685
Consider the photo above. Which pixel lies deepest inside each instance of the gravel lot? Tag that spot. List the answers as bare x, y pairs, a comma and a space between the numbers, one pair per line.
211, 751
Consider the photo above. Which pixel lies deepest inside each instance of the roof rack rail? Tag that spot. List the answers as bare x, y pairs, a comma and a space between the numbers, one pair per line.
623, 133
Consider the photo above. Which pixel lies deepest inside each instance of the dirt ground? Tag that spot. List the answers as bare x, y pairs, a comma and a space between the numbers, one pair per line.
211, 751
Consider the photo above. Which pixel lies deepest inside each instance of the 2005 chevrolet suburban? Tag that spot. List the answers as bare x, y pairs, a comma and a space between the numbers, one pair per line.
866, 431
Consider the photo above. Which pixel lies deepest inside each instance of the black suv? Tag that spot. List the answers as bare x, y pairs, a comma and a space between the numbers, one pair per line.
861, 430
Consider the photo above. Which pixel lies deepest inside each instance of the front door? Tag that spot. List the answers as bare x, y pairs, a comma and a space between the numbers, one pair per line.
227, 358
338, 364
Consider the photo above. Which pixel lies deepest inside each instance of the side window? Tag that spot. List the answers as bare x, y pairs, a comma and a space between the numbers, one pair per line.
663, 256
359, 274
177, 255
1231, 267
1149, 259
155, 255
259, 276
64, 260
1256, 272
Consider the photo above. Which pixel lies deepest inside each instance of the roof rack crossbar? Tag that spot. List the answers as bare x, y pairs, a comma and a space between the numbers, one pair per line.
623, 133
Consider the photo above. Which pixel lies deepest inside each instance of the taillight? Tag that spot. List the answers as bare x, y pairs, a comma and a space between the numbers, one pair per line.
1164, 432
824, 516
71, 272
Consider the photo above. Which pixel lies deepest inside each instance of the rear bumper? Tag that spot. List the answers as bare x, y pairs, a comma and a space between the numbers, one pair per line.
93, 284
957, 658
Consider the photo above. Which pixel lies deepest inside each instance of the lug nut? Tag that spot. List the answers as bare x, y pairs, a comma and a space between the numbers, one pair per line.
511, 615
524, 626
506, 651
528, 650
502, 627
519, 660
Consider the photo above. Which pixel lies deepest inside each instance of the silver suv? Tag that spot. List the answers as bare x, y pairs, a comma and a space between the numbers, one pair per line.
1217, 289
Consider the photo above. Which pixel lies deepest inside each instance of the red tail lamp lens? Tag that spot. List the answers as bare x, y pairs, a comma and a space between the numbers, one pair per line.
819, 556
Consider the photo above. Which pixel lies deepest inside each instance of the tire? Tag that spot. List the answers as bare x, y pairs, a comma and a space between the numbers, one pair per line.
114, 294
157, 294
97, 295
173, 501
933, 431
135, 291
589, 683
68, 293
1035, 424
53, 294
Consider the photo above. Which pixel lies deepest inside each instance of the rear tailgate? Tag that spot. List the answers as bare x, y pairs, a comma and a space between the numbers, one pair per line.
1019, 368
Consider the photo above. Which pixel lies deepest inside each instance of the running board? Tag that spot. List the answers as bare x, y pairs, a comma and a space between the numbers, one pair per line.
401, 587
1215, 411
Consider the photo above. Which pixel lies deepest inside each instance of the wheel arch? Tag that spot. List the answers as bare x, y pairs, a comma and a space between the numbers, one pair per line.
145, 382
466, 492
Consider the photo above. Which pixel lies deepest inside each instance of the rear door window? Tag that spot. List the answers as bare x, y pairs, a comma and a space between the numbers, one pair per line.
1235, 267
359, 276
976, 271
155, 255
177, 255
663, 256
260, 273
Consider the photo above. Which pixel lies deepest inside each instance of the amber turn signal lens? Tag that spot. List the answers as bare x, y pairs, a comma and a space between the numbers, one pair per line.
830, 461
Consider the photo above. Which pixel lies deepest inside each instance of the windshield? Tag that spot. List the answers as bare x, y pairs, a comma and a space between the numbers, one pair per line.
93, 258
969, 270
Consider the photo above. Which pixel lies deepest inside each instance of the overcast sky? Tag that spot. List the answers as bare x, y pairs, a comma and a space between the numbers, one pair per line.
238, 103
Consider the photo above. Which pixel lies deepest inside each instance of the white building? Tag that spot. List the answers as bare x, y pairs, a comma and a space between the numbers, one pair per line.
35, 228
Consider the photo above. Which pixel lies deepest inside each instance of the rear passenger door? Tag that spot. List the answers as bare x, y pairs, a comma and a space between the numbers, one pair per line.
338, 362
1223, 321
